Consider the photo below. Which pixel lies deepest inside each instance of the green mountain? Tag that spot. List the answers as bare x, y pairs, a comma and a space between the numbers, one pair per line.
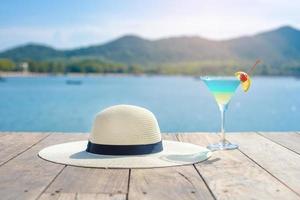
279, 47
133, 49
31, 51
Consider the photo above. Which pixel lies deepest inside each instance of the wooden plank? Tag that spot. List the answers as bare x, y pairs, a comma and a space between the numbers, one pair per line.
90, 180
59, 196
231, 175
167, 183
289, 140
277, 160
2, 134
27, 176
83, 196
11, 145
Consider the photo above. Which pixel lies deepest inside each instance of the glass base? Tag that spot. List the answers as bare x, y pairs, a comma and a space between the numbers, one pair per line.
222, 146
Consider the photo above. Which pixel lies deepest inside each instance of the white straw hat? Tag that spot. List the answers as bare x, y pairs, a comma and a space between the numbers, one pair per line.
125, 136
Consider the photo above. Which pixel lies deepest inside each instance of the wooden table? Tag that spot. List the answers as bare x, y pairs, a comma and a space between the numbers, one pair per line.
267, 166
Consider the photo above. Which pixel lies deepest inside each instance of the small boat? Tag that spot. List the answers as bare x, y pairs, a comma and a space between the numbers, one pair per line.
74, 82
197, 78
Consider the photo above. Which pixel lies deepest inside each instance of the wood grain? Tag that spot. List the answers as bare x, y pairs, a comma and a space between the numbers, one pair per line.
288, 140
82, 196
90, 180
167, 183
277, 160
12, 145
26, 176
264, 168
231, 175
60, 196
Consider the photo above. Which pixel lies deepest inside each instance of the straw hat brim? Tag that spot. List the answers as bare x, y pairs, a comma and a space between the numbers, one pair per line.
173, 154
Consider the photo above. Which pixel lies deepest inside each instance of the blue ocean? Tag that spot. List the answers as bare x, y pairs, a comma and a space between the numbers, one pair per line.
181, 104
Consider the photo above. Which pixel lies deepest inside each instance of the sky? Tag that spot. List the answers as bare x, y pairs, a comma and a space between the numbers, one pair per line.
67, 24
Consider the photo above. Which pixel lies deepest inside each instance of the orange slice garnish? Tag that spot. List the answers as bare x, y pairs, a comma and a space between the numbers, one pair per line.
245, 80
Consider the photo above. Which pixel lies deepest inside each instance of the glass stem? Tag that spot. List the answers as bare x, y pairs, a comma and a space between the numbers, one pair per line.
222, 110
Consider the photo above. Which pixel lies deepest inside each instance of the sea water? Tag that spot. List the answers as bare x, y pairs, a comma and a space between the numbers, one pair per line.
181, 104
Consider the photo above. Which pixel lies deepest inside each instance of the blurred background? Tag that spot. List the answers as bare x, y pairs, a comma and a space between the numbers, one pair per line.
61, 62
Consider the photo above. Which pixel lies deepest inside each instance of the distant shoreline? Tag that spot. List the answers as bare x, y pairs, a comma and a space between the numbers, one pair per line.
30, 74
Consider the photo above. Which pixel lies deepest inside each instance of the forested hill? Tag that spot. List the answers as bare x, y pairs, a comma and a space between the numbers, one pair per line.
279, 49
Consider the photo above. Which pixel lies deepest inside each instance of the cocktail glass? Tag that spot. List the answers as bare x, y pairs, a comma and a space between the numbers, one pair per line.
222, 89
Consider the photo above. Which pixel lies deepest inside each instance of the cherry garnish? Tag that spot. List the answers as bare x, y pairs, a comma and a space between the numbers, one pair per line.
243, 77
